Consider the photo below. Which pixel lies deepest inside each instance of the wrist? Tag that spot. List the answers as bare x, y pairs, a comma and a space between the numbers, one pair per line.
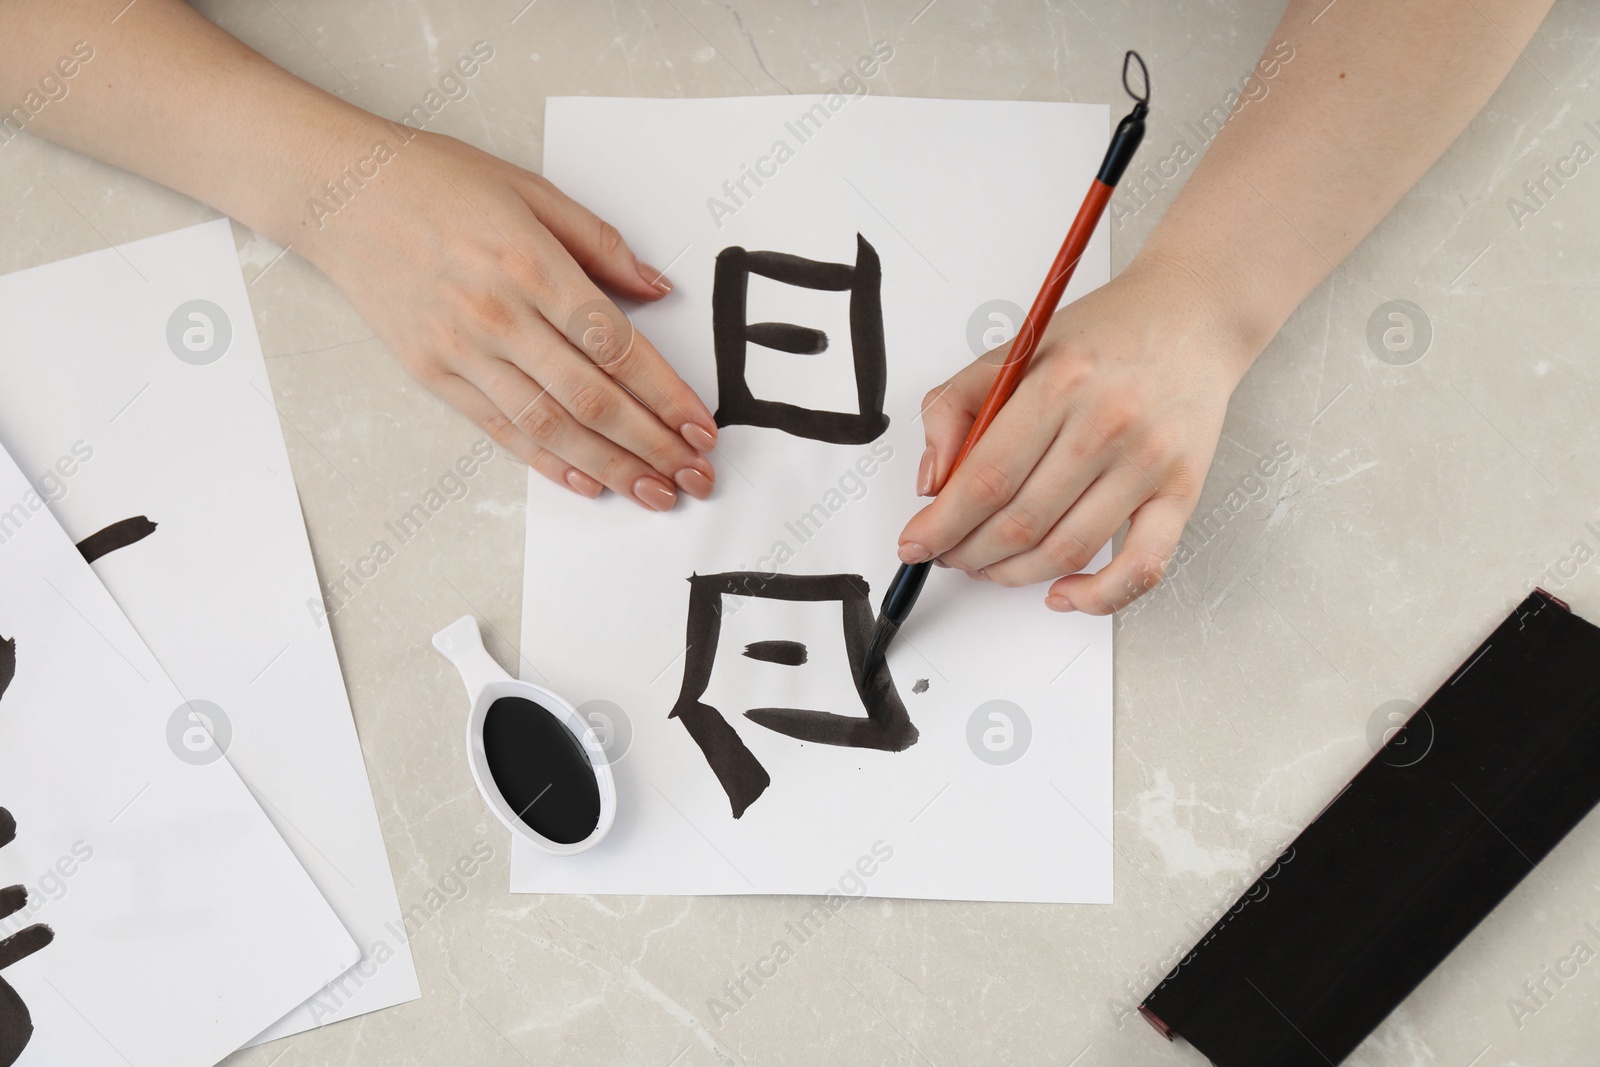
331, 156
1203, 306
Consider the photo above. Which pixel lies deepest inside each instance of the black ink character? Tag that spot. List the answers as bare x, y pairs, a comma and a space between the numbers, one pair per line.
16, 1025
731, 332
117, 535
886, 726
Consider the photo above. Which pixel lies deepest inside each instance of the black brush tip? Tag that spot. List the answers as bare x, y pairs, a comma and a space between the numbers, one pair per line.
897, 603
883, 632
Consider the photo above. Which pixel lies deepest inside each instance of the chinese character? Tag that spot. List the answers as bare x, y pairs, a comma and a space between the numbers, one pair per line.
733, 332
886, 725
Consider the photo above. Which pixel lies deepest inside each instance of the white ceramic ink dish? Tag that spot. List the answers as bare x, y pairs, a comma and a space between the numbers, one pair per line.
486, 681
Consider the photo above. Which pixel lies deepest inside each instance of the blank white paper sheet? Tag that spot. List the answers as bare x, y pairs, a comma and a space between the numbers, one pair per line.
885, 242
136, 399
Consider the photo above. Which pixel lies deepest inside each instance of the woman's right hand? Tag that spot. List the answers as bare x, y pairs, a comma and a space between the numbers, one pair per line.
1116, 419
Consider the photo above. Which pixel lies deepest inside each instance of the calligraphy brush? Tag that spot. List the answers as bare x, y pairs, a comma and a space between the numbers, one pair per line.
907, 584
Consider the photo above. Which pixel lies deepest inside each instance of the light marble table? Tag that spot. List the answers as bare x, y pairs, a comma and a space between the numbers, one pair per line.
1420, 501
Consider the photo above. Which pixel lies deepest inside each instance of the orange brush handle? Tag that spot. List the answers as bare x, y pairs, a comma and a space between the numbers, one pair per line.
1027, 339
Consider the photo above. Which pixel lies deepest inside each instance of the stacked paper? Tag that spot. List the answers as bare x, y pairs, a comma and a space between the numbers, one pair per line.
233, 896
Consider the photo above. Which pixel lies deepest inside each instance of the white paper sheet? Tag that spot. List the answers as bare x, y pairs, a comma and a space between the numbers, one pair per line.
111, 423
964, 203
182, 922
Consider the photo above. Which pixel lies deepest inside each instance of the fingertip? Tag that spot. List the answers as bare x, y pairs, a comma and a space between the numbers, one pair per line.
912, 553
582, 484
652, 494
694, 482
698, 437
655, 282
927, 468
942, 469
1061, 590
1091, 594
923, 539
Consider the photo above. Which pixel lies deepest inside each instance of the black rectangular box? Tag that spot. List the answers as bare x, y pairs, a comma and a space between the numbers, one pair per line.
1444, 821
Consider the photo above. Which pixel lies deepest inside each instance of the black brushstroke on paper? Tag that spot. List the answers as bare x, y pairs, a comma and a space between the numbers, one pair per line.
16, 1025
787, 337
732, 333
788, 653
117, 535
886, 726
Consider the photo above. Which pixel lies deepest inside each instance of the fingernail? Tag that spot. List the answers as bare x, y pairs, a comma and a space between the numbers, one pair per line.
925, 472
652, 277
911, 552
654, 495
693, 482
699, 438
978, 575
1057, 602
583, 485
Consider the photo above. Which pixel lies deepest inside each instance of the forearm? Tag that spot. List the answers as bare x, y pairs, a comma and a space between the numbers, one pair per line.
169, 96
1373, 94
